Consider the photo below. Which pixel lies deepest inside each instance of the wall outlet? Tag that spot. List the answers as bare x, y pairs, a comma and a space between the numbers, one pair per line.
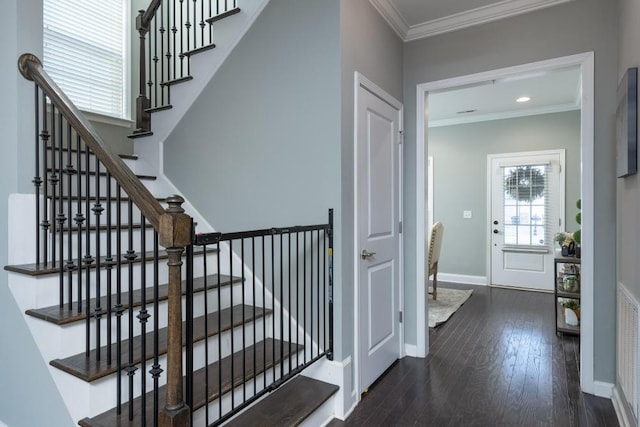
466, 214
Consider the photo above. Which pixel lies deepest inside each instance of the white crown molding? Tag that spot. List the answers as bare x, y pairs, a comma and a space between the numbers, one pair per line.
504, 115
492, 12
392, 16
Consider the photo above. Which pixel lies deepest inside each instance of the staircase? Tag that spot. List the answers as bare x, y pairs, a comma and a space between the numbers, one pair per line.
144, 318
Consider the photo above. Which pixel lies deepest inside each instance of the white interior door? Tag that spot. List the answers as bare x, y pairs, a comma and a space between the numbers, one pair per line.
527, 209
378, 198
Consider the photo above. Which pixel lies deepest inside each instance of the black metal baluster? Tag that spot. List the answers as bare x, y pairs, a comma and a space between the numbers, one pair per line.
318, 289
181, 55
210, 32
273, 302
218, 265
264, 320
143, 317
156, 370
79, 218
298, 294
190, 326
118, 309
231, 316
324, 290
162, 30
174, 30
130, 257
70, 171
97, 211
304, 291
155, 63
53, 181
281, 311
60, 216
108, 264
206, 328
202, 23
244, 341
187, 25
330, 232
289, 302
44, 224
153, 101
37, 180
254, 305
88, 259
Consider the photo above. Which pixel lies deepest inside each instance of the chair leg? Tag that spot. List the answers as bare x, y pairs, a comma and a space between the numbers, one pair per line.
435, 281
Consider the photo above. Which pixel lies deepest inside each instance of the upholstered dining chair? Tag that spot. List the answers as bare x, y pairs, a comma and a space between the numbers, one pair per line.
433, 255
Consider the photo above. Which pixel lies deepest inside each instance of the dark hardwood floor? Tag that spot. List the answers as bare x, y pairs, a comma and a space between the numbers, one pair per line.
496, 362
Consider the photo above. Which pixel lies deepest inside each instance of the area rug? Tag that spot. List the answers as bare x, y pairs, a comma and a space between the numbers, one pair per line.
449, 300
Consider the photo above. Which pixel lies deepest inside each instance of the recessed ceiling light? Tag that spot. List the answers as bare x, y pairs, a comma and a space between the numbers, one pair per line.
523, 99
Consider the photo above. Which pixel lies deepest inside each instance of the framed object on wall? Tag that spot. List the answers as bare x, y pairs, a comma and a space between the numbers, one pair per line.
627, 124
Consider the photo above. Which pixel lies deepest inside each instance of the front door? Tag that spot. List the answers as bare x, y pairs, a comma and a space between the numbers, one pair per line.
527, 209
378, 201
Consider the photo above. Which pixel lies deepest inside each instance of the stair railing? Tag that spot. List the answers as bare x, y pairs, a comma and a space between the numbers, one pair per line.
170, 32
283, 315
68, 153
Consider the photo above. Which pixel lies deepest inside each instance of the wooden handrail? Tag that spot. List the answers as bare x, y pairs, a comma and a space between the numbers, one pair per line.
31, 68
147, 15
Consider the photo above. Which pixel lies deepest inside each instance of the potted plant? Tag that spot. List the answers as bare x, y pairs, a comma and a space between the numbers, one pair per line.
572, 312
577, 235
566, 242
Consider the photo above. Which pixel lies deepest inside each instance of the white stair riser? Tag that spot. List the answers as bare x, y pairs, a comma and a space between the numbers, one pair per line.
43, 291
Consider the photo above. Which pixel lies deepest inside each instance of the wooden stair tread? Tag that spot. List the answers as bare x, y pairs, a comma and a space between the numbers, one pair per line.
75, 150
159, 108
288, 406
177, 81
223, 15
200, 49
50, 268
139, 134
63, 316
89, 369
141, 177
111, 418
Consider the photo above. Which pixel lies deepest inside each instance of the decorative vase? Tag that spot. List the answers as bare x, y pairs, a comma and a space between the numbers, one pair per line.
565, 251
570, 283
578, 251
570, 317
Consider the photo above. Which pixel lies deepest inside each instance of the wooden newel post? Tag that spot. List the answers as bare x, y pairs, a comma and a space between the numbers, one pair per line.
175, 235
143, 117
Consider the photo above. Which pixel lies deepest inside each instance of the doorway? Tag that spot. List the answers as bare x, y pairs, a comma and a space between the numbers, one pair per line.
586, 63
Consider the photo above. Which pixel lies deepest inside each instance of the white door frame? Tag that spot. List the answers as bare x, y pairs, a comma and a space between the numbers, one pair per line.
561, 153
586, 63
361, 80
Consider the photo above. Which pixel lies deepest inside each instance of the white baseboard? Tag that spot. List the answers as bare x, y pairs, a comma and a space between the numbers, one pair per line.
620, 408
411, 350
602, 389
462, 278
338, 373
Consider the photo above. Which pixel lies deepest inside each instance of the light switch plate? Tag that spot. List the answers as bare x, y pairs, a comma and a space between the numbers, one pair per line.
466, 214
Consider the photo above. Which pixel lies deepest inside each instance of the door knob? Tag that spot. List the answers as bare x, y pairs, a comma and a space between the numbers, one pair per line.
364, 254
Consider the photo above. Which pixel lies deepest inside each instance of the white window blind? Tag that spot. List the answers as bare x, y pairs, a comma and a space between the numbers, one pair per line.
529, 204
84, 52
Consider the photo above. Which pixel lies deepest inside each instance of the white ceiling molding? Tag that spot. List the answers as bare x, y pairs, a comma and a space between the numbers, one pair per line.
499, 10
475, 118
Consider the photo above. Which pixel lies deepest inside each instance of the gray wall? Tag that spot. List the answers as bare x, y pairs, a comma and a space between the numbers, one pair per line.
25, 380
370, 47
460, 177
629, 188
571, 28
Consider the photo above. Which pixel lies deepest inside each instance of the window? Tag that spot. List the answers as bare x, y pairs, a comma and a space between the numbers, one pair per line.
84, 52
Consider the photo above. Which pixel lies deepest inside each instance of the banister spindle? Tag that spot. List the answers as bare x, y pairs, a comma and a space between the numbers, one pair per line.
37, 180
175, 235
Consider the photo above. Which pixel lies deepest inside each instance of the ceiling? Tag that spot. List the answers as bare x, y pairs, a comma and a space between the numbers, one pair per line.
551, 91
416, 19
